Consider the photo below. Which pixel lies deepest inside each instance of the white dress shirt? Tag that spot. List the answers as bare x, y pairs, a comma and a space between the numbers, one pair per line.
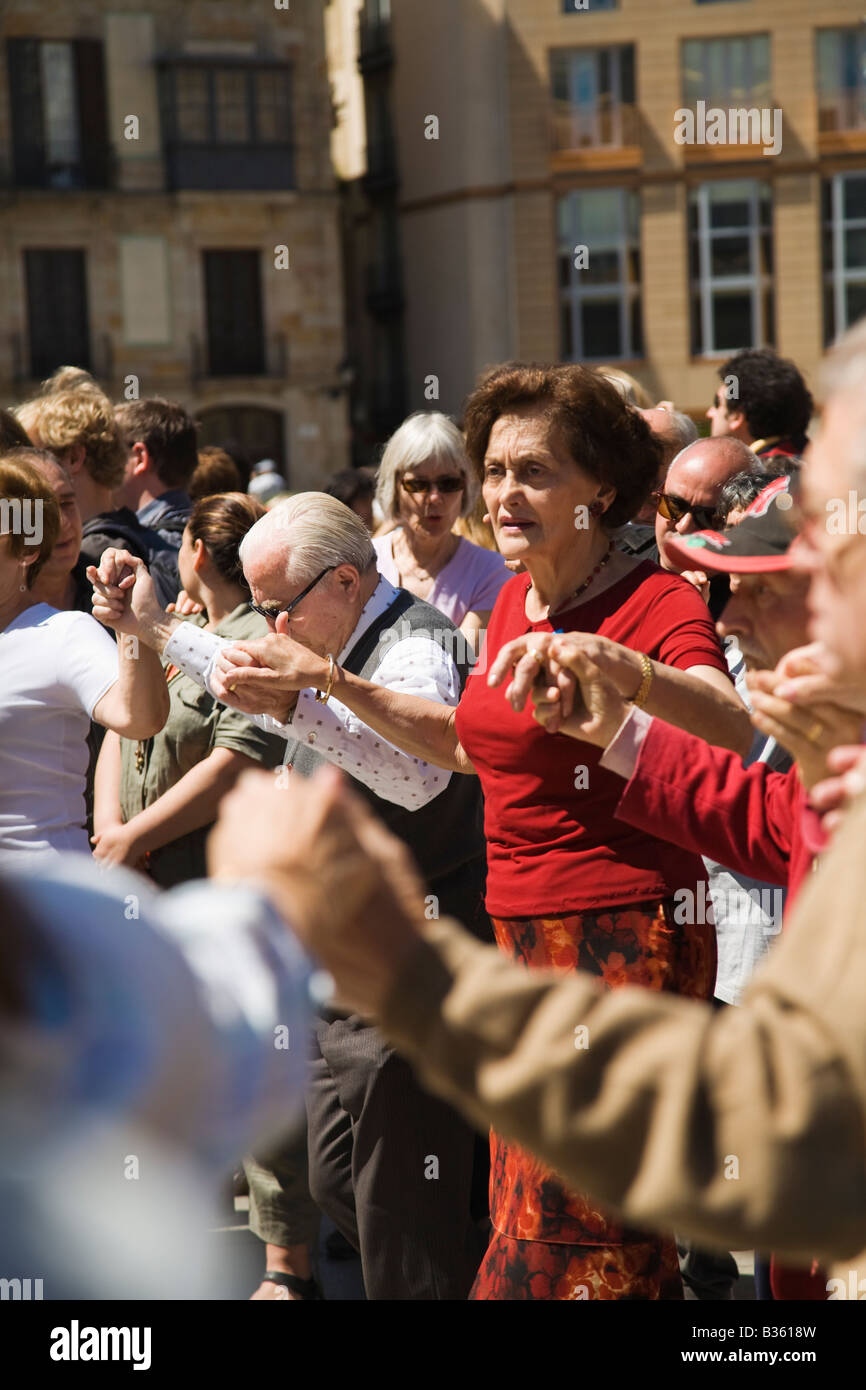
414, 664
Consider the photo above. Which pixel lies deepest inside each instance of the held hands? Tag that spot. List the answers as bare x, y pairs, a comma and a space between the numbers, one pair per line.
265, 675
807, 710
117, 844
571, 680
123, 594
345, 885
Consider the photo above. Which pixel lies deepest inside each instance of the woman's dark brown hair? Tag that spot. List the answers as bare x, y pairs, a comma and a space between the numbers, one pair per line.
220, 523
12, 434
603, 435
216, 471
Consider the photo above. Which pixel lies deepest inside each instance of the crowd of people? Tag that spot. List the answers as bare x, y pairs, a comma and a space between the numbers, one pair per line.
532, 738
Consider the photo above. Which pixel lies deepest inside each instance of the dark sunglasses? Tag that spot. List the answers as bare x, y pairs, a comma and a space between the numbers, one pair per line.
423, 485
272, 611
674, 508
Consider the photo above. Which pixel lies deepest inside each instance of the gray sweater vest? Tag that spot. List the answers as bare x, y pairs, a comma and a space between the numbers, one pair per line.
448, 832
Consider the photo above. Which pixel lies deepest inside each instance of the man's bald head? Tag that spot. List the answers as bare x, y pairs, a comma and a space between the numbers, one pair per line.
695, 479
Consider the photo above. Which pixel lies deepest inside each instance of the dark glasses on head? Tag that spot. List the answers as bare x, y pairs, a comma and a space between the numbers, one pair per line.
273, 610
423, 485
674, 508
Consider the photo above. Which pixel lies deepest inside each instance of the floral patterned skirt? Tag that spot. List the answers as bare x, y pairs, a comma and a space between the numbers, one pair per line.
550, 1242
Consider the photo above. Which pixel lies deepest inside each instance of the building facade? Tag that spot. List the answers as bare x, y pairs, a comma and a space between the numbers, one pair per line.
169, 216
649, 183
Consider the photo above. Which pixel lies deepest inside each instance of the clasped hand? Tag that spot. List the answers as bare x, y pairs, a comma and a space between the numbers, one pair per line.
264, 676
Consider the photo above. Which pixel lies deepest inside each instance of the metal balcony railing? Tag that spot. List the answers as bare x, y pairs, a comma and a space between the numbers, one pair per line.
262, 357
608, 125
842, 110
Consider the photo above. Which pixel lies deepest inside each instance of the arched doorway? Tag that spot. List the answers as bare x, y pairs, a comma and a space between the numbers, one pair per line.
248, 432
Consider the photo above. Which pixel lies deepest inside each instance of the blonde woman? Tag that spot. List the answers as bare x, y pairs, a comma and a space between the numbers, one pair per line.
425, 484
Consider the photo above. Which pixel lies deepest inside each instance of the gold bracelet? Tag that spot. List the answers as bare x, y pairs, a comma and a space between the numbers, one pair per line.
642, 695
323, 696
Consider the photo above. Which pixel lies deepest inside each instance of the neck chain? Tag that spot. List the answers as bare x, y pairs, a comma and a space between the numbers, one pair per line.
598, 569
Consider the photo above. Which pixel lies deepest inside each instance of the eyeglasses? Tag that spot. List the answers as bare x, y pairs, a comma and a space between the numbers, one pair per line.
674, 508
423, 485
272, 611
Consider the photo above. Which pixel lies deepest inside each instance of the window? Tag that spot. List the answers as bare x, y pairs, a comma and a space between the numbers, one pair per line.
57, 103
57, 322
593, 96
727, 72
844, 252
731, 249
233, 301
228, 125
841, 79
599, 275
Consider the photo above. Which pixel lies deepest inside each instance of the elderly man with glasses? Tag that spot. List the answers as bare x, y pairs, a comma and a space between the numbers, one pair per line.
373, 1132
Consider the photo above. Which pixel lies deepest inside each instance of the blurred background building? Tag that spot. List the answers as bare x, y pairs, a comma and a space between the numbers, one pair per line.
451, 183
504, 135
169, 215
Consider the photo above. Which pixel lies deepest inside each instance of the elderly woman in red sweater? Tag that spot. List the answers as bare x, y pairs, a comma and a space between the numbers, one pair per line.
563, 463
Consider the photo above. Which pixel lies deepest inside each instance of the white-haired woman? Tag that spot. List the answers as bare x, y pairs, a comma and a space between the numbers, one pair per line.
425, 483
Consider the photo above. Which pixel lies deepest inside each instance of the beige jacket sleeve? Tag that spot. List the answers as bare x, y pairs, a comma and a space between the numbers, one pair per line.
742, 1128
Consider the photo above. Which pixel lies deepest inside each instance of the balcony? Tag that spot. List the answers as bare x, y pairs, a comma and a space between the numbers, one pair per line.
263, 359
744, 128
382, 175
74, 169
239, 168
842, 121
374, 45
608, 136
384, 292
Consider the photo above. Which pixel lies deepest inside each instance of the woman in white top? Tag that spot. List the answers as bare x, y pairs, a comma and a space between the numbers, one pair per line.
57, 672
425, 483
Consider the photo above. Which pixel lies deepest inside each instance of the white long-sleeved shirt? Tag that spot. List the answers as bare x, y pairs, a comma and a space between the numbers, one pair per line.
414, 664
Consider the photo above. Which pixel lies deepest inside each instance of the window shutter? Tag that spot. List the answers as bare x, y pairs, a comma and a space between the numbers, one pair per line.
25, 100
92, 117
234, 313
57, 317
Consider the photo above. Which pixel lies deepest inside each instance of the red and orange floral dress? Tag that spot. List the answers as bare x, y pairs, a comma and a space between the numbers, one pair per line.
571, 887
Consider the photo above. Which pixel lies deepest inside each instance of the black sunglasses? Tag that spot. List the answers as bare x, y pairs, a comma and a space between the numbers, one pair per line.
448, 484
674, 508
273, 610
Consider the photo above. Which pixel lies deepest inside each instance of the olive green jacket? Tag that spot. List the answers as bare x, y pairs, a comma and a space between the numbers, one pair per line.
743, 1128
196, 725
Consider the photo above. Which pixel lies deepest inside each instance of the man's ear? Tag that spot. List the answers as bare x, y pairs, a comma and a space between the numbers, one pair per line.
736, 419
73, 458
139, 458
348, 578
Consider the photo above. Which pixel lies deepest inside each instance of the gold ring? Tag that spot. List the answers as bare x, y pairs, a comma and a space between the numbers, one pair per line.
536, 656
814, 733
229, 687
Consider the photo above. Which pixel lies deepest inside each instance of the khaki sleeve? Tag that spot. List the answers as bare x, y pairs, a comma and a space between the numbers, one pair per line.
235, 731
742, 1128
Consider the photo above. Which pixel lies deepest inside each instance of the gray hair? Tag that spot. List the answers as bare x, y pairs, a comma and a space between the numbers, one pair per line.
314, 532
740, 491
683, 430
423, 436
